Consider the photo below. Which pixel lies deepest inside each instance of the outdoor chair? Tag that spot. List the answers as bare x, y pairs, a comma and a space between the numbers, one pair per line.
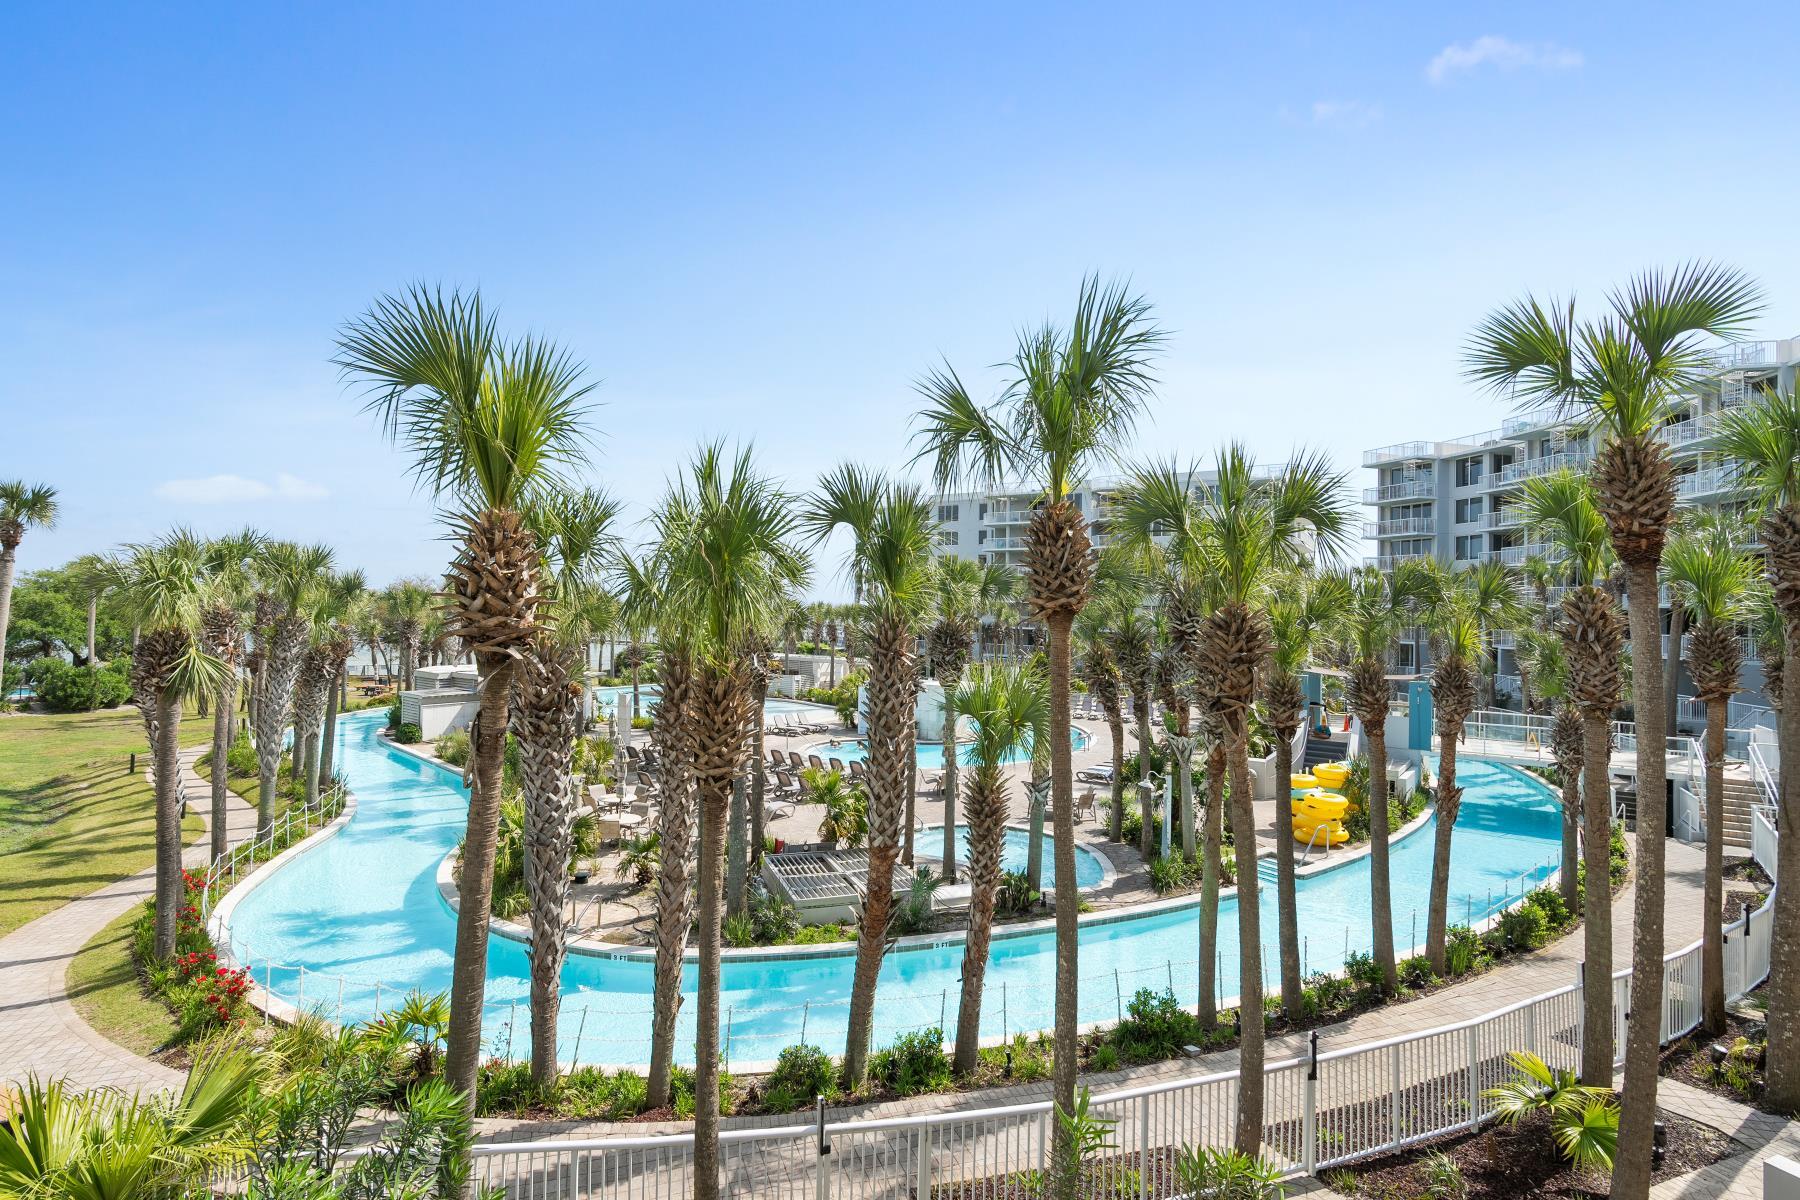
813, 761
1085, 803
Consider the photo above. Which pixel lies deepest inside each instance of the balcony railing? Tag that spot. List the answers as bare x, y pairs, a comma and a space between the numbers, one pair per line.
1502, 518
1738, 356
1543, 464
1386, 562
1537, 419
1515, 556
1703, 483
1399, 453
995, 543
1406, 489
1406, 527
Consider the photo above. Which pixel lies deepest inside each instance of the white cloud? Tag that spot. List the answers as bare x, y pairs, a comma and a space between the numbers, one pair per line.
236, 489
1504, 53
1348, 114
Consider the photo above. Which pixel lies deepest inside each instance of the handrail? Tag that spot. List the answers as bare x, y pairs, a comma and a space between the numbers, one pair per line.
1317, 830
1765, 778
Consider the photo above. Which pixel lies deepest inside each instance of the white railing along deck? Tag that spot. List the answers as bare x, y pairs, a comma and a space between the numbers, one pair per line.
1328, 1106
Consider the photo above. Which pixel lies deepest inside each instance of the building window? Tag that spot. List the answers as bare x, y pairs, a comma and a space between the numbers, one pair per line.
947, 513
983, 514
949, 537
1468, 510
1468, 471
1468, 548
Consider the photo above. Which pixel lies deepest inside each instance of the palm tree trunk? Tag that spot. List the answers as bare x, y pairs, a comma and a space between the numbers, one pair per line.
737, 849
1712, 932
1115, 725
1211, 867
1146, 836
674, 899
1643, 1036
468, 977
951, 770
9, 553
987, 834
1672, 667
1571, 833
93, 665
1449, 804
1250, 984
274, 703
759, 811
1782, 1089
1381, 901
221, 748
1287, 903
546, 716
1068, 897
328, 740
167, 750
1189, 836
1596, 850
714, 801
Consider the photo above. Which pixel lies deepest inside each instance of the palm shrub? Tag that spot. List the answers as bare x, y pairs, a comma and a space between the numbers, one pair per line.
802, 1074
1584, 1121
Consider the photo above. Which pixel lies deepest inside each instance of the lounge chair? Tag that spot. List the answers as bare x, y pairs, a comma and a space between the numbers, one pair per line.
786, 784
795, 762
815, 762
776, 761
837, 764
858, 770
1100, 773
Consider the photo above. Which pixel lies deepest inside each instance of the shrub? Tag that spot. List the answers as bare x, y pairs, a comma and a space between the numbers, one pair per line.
62, 687
1331, 991
776, 918
1584, 1120
240, 759
1015, 894
453, 747
1155, 1027
802, 1073
815, 935
739, 931
1416, 972
1522, 927
681, 1088
393, 720
408, 734
1227, 1173
1171, 873
913, 914
1462, 950
1549, 901
1106, 1057
914, 1064
1362, 970
642, 722
1444, 1179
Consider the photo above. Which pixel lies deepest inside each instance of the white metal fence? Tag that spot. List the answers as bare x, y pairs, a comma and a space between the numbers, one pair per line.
295, 824
1329, 1106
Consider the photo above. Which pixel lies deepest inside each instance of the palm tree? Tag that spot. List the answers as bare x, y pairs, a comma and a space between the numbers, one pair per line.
1254, 531
227, 565
1458, 641
891, 561
160, 585
289, 578
489, 425
573, 531
316, 685
1131, 637
1302, 618
956, 602
1714, 582
732, 566
1540, 655
1009, 707
1100, 672
1000, 592
1619, 373
648, 604
409, 604
1074, 396
1381, 605
1764, 438
1560, 510
22, 506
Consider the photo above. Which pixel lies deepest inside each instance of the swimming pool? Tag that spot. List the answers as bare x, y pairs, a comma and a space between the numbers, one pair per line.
357, 919
931, 754
1015, 851
773, 706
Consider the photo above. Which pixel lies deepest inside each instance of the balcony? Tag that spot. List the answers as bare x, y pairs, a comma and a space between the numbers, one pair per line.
1406, 489
1505, 517
1409, 527
1543, 464
1515, 556
1526, 422
1007, 516
1741, 356
1386, 562
1400, 452
1001, 543
1706, 483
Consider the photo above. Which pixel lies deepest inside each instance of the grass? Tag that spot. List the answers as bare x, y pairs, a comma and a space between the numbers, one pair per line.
105, 989
248, 786
72, 816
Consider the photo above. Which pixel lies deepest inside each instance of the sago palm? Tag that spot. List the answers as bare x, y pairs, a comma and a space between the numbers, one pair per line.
489, 425
1764, 439
727, 532
160, 585
891, 562
1303, 615
1559, 509
1009, 709
956, 608
1381, 605
1714, 582
1620, 373
23, 506
1074, 396
574, 533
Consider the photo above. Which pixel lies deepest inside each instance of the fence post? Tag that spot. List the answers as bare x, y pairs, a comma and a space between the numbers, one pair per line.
943, 1005
1005, 1031
1309, 1114
1118, 995
822, 1162
1394, 1094
805, 1012
1474, 1075
730, 1016
922, 1165
1144, 1147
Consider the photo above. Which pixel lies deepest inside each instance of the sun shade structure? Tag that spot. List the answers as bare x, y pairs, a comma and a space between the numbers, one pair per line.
827, 886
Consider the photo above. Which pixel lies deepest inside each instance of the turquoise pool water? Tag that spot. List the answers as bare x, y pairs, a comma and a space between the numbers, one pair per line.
931, 754
1015, 851
773, 706
358, 918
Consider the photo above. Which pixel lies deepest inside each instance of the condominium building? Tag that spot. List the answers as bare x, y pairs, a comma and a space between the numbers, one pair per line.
1455, 500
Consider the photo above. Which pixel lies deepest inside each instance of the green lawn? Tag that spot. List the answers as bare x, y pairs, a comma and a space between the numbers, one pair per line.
249, 787
103, 986
73, 818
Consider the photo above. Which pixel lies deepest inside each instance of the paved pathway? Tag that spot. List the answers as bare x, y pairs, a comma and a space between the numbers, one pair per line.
40, 1031
1739, 1177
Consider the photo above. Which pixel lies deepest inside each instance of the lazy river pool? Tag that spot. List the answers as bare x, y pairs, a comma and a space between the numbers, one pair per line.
353, 922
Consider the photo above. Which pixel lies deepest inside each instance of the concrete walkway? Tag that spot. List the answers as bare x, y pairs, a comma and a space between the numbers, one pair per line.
40, 1031
1739, 1177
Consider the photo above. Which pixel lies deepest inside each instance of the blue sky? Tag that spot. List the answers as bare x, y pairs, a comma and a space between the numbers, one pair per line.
763, 222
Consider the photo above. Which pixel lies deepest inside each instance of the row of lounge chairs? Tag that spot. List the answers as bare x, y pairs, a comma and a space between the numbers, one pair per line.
788, 760
794, 724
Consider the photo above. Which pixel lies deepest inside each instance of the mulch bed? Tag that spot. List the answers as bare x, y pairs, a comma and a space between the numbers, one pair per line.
1690, 1061
1510, 1162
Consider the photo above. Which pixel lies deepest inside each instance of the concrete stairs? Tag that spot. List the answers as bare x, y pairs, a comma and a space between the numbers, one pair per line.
1331, 749
1741, 796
